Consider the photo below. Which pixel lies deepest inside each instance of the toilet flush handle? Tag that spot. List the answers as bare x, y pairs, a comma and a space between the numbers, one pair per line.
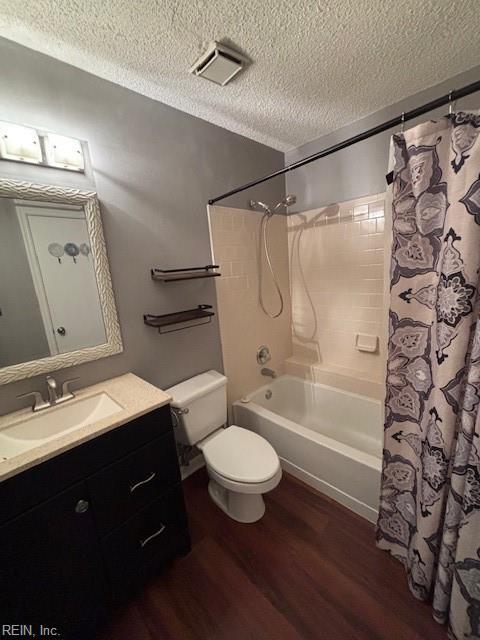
176, 412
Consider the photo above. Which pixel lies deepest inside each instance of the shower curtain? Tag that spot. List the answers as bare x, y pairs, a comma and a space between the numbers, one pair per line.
429, 516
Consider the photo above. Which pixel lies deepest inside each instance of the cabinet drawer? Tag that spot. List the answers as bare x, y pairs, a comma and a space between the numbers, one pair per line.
126, 486
138, 548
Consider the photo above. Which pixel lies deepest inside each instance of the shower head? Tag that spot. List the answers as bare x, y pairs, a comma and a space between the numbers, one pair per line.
286, 202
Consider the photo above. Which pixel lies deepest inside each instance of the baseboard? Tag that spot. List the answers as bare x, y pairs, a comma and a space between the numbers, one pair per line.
357, 506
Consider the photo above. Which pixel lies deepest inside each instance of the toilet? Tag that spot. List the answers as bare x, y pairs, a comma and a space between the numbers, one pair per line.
241, 465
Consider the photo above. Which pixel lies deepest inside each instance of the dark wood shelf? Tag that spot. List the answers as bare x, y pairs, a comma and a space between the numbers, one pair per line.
202, 312
190, 273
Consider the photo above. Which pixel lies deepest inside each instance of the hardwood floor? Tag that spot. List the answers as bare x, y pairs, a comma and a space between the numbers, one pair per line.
309, 569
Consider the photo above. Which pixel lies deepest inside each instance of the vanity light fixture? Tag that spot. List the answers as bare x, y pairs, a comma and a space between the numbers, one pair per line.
34, 146
19, 143
63, 152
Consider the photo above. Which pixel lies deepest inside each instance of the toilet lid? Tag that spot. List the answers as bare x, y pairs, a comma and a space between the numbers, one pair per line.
241, 455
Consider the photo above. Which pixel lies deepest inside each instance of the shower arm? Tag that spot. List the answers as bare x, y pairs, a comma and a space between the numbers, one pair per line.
257, 204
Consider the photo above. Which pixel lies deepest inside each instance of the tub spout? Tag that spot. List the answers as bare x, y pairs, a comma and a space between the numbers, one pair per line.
268, 372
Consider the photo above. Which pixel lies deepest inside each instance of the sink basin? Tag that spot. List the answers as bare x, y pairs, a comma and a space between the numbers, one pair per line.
36, 429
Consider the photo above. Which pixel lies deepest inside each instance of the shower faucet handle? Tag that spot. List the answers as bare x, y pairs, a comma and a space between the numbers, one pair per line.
263, 354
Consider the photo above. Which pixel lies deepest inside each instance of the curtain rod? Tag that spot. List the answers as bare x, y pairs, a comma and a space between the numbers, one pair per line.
404, 117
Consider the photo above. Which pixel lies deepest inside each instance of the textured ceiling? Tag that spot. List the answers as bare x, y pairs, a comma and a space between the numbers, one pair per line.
317, 64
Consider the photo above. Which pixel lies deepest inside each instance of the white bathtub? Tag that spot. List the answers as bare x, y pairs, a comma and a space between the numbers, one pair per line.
330, 439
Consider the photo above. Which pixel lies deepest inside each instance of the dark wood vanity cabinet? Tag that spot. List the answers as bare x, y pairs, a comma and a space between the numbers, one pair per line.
84, 530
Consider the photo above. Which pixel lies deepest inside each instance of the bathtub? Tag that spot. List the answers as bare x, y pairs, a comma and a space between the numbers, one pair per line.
329, 438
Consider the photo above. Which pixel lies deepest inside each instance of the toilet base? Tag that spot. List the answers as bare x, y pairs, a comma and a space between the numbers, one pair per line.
242, 507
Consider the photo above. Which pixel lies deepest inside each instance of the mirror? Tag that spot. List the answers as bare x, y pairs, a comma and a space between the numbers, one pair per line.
56, 300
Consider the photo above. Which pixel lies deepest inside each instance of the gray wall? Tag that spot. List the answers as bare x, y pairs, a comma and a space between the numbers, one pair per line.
360, 169
154, 169
22, 334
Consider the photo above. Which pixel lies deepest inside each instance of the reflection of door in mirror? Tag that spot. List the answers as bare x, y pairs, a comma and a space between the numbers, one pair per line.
62, 295
66, 288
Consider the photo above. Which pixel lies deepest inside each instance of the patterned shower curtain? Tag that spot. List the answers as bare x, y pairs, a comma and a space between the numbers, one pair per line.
430, 498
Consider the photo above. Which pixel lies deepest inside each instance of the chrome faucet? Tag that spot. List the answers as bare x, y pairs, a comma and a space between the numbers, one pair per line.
268, 372
39, 403
52, 390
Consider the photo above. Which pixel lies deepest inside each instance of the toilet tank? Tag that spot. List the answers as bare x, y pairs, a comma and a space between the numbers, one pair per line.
200, 405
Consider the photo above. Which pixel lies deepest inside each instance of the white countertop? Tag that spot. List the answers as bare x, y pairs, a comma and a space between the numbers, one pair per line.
134, 395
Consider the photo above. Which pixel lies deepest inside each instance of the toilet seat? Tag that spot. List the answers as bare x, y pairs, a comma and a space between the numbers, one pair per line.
241, 456
246, 488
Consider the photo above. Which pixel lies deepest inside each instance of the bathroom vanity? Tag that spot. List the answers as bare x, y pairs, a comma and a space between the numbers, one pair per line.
88, 515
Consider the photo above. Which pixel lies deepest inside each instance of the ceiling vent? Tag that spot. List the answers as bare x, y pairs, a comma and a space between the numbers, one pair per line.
219, 64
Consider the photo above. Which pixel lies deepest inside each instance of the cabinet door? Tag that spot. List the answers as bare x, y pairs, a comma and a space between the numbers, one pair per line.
50, 566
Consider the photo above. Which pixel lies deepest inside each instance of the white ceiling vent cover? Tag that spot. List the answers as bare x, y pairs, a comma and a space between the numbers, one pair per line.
219, 64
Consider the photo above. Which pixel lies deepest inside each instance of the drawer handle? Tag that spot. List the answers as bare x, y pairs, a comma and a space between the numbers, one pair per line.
143, 543
134, 487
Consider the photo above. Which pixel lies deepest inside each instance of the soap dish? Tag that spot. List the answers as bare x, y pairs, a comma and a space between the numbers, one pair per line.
366, 342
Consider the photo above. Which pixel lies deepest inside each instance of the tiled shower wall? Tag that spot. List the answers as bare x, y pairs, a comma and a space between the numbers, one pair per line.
337, 286
235, 236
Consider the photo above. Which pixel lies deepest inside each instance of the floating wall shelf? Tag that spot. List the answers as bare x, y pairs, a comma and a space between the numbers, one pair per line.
190, 273
189, 318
